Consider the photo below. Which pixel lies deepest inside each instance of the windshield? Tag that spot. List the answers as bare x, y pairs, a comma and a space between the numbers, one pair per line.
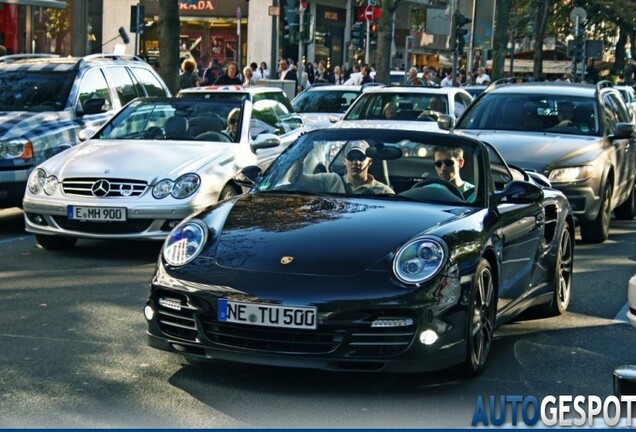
386, 164
533, 113
324, 101
399, 106
35, 91
176, 119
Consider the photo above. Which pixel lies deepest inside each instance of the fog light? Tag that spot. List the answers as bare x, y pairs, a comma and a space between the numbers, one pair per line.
149, 313
428, 337
38, 220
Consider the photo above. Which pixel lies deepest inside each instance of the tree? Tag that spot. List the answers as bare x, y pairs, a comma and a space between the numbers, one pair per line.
500, 38
385, 33
169, 29
540, 23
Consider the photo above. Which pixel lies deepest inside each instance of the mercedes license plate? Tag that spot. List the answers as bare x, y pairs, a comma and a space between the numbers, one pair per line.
267, 315
97, 214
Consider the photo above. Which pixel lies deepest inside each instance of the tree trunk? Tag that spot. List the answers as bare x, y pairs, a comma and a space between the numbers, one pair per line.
619, 60
500, 38
383, 50
540, 23
169, 29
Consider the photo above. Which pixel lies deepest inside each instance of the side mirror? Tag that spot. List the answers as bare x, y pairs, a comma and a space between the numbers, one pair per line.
86, 134
520, 192
445, 121
334, 118
265, 140
95, 106
623, 130
248, 176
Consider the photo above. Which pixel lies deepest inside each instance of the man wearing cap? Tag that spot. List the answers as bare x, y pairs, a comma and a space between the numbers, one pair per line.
356, 181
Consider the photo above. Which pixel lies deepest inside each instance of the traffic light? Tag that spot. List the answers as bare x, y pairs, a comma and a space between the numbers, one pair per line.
459, 31
373, 34
579, 48
357, 34
291, 11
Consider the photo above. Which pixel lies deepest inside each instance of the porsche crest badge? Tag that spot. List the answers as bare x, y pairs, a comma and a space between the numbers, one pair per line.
286, 260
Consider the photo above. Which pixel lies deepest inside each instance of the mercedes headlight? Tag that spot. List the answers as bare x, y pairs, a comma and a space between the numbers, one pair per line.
50, 186
37, 180
186, 185
185, 243
419, 260
571, 174
16, 149
183, 187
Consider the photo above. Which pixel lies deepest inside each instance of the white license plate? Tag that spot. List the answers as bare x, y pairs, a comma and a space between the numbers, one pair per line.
99, 214
267, 315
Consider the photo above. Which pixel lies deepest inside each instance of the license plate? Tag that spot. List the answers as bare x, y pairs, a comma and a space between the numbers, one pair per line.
267, 315
98, 214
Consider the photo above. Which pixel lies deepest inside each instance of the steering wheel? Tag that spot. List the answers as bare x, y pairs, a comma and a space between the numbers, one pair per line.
448, 185
428, 115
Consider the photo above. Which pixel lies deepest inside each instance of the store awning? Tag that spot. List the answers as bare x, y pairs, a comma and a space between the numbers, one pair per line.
57, 4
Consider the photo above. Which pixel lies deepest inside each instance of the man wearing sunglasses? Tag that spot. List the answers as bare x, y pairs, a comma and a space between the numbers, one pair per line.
357, 180
233, 119
448, 162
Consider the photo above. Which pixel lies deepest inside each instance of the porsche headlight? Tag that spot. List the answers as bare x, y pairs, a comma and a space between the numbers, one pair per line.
16, 149
185, 186
185, 243
50, 185
571, 174
419, 260
37, 180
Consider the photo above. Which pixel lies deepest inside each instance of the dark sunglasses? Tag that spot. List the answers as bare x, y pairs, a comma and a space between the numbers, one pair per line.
356, 156
233, 121
446, 162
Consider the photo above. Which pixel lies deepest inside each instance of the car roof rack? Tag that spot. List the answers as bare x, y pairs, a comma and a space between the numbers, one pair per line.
13, 57
106, 56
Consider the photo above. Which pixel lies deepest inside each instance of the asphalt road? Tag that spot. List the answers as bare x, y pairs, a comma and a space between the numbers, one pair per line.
73, 352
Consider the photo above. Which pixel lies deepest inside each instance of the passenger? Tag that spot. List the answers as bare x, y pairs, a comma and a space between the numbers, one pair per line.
390, 111
448, 162
232, 127
356, 181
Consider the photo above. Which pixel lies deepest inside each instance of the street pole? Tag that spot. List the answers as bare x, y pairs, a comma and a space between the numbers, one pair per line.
367, 43
456, 51
471, 44
138, 28
577, 23
301, 12
239, 47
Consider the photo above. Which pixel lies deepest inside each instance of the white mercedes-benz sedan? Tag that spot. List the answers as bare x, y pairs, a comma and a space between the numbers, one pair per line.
154, 163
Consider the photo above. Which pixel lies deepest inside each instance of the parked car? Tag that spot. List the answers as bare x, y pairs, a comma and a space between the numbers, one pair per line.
45, 100
410, 104
252, 94
580, 136
629, 96
296, 274
625, 375
154, 163
317, 105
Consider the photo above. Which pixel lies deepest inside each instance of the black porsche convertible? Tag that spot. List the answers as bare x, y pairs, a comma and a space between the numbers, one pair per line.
356, 250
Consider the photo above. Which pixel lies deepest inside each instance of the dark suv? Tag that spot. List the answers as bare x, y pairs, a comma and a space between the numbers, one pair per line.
580, 136
45, 100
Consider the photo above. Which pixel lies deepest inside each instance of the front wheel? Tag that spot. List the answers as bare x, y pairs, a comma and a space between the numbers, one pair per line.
228, 192
563, 270
597, 230
55, 242
480, 322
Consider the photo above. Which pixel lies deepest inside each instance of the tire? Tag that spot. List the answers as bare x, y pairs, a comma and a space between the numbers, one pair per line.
597, 231
228, 192
563, 270
55, 242
480, 321
627, 210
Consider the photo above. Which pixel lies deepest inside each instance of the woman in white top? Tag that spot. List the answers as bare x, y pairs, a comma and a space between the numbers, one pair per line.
338, 76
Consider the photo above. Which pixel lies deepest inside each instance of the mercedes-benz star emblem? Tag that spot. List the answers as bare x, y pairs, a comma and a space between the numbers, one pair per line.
100, 188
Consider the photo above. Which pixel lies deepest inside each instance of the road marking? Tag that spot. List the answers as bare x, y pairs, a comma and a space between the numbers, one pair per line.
15, 239
621, 318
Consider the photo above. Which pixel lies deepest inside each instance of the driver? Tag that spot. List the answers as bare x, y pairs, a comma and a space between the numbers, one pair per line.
356, 181
233, 119
448, 162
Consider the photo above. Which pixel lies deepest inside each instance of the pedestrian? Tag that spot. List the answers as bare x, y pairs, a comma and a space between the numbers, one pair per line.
256, 74
338, 76
189, 78
366, 75
264, 71
3, 50
248, 78
230, 76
